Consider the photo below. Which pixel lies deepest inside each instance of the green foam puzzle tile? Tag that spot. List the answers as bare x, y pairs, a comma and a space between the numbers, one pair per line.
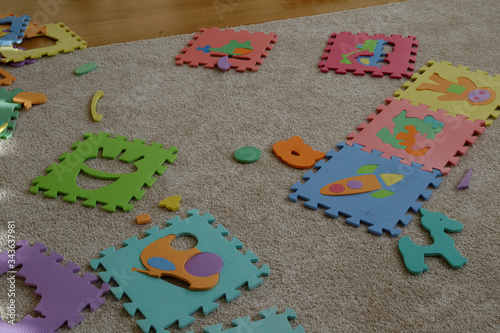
148, 159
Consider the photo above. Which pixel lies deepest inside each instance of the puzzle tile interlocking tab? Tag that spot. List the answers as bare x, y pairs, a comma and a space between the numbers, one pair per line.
8, 111
65, 41
64, 294
271, 323
148, 159
18, 25
366, 188
162, 303
417, 134
362, 53
458, 90
246, 50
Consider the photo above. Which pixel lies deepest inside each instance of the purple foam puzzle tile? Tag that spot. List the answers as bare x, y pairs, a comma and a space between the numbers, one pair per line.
366, 188
416, 134
362, 53
64, 294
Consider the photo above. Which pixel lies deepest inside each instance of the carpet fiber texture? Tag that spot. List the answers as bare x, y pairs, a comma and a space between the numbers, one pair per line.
337, 277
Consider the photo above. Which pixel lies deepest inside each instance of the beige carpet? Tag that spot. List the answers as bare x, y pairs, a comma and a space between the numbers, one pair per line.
337, 277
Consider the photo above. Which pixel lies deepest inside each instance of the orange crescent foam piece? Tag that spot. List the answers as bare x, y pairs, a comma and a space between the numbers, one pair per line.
7, 77
29, 98
296, 153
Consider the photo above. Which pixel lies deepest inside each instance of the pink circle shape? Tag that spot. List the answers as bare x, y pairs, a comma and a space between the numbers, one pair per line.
354, 184
336, 188
204, 264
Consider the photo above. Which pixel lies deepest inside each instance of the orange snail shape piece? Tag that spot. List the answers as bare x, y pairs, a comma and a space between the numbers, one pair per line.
296, 153
199, 269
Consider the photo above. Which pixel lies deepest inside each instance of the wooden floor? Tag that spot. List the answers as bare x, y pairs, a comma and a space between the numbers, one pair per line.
102, 22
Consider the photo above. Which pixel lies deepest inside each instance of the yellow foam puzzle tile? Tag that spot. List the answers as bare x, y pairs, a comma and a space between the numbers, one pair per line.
65, 41
457, 90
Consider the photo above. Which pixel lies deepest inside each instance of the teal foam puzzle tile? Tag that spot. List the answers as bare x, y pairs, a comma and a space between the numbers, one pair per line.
162, 303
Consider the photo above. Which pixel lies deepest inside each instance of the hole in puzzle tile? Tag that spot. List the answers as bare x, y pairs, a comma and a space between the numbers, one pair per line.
175, 282
37, 42
388, 48
183, 243
110, 165
25, 298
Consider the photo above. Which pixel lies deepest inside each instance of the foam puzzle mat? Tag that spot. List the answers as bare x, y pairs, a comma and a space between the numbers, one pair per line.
148, 159
362, 53
64, 294
148, 292
366, 188
458, 90
245, 50
65, 41
417, 134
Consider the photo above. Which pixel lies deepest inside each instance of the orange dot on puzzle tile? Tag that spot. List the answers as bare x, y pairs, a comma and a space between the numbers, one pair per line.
143, 219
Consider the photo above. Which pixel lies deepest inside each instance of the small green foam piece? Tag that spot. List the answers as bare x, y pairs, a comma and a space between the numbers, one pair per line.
456, 89
247, 154
86, 68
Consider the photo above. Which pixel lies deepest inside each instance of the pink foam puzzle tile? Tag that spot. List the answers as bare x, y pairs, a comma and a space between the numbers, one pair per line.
416, 134
362, 53
245, 50
458, 90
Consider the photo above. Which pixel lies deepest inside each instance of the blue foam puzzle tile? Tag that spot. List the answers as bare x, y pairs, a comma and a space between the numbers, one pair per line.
18, 26
382, 209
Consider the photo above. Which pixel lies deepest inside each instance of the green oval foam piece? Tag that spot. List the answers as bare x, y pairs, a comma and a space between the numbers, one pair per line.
247, 154
86, 68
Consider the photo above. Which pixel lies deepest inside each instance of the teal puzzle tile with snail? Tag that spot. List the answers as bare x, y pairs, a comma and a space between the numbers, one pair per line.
214, 268
148, 160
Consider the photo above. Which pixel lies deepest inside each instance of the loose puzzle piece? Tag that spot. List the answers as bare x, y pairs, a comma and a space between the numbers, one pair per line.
65, 41
417, 134
443, 246
29, 98
296, 153
458, 90
366, 188
7, 78
362, 53
61, 178
465, 182
163, 303
143, 219
18, 25
64, 294
8, 111
171, 203
246, 51
272, 323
